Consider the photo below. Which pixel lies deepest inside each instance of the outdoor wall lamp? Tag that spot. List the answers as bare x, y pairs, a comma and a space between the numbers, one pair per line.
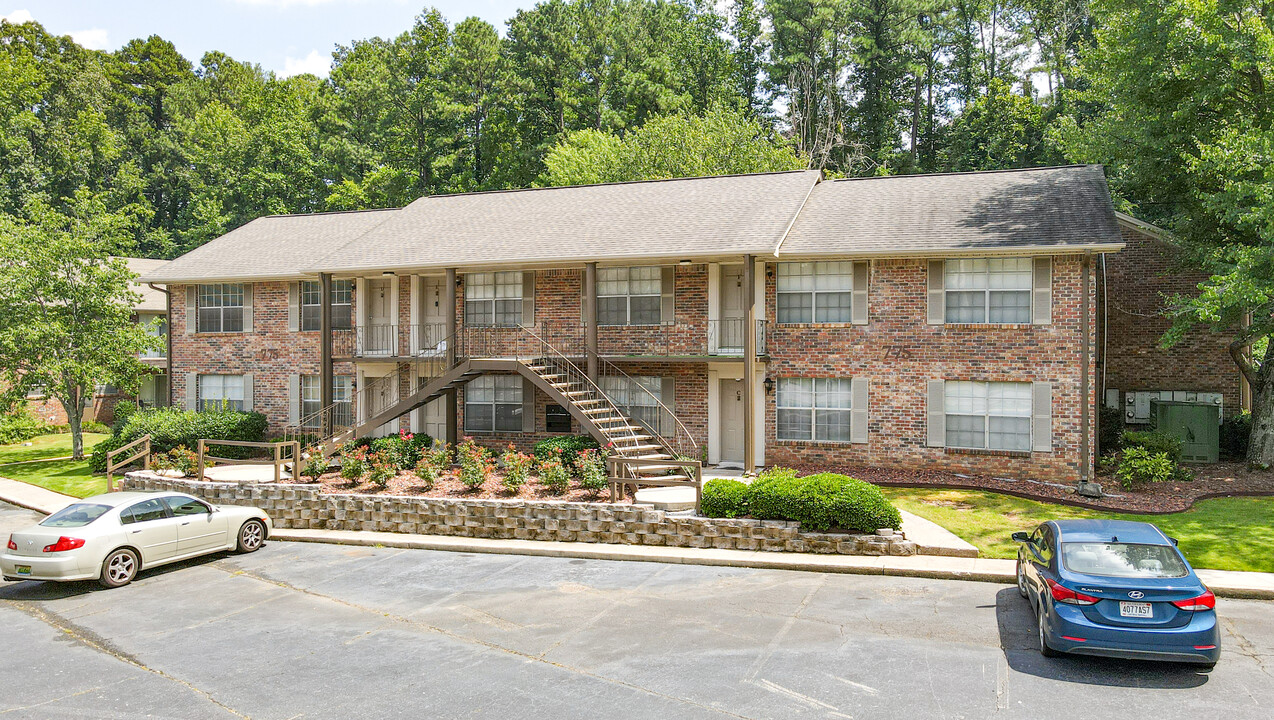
388, 273
684, 262
769, 385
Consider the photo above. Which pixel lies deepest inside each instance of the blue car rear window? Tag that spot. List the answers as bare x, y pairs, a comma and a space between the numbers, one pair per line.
1125, 560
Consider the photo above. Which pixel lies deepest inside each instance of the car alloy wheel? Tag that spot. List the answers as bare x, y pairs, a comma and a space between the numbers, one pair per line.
251, 536
1021, 579
1045, 650
119, 568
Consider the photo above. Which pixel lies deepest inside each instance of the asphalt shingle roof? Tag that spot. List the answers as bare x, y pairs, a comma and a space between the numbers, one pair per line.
152, 300
275, 246
1062, 207
690, 217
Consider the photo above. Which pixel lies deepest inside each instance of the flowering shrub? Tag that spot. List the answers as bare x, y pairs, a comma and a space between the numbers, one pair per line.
353, 463
476, 465
315, 464
381, 468
592, 470
180, 458
517, 466
554, 476
433, 464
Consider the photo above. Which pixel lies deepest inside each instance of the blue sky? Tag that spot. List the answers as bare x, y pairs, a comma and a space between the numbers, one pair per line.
287, 36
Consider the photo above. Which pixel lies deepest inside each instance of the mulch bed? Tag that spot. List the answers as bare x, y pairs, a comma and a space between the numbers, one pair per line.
449, 486
1224, 479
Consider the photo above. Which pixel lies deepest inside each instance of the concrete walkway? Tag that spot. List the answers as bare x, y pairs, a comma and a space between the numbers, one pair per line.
33, 497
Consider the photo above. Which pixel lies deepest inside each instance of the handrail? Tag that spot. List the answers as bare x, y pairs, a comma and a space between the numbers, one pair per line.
112, 466
279, 461
676, 447
617, 480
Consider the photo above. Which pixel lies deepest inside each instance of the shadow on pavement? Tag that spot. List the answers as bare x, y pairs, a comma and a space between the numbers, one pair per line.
1017, 626
41, 591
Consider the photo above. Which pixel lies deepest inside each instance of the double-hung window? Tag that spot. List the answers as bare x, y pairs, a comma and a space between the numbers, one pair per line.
810, 292
988, 415
493, 403
996, 290
220, 308
312, 400
220, 392
493, 299
629, 295
638, 397
312, 304
814, 409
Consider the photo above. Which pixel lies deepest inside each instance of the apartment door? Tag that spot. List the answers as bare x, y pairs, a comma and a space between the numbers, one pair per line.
731, 409
432, 418
380, 335
729, 334
382, 395
433, 329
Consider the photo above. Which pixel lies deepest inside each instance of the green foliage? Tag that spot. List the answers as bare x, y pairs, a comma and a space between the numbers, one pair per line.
381, 468
564, 447
998, 131
404, 450
124, 409
353, 463
823, 501
20, 426
476, 464
1141, 465
315, 465
592, 470
1154, 442
517, 468
1235, 432
554, 476
1110, 423
180, 458
171, 427
725, 498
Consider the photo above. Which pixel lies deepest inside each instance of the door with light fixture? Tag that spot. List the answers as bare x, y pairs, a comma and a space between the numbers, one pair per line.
381, 334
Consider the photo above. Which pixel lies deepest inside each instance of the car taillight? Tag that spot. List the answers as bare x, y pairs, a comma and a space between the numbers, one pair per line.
1206, 601
63, 544
1063, 594
12, 544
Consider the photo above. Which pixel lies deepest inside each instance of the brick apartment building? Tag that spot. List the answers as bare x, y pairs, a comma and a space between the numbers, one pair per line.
949, 322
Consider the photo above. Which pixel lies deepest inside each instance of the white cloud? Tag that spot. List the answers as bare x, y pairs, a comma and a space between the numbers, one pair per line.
315, 63
94, 39
17, 17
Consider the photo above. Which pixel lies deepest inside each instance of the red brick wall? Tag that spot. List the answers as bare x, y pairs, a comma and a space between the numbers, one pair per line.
899, 352
1138, 281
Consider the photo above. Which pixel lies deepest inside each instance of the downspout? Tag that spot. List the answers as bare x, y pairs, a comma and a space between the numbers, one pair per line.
1084, 465
168, 339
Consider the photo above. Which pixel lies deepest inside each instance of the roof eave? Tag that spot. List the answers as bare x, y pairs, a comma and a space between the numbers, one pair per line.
1071, 249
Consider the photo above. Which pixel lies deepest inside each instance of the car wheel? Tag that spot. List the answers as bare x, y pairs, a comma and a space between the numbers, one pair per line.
1045, 650
119, 568
1021, 579
251, 536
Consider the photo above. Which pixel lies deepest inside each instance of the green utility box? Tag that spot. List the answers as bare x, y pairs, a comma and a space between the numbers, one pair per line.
1197, 424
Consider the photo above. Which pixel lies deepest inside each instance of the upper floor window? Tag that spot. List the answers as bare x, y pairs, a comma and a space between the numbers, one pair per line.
493, 403
493, 299
814, 409
220, 308
157, 326
988, 415
220, 392
996, 290
629, 295
312, 304
810, 292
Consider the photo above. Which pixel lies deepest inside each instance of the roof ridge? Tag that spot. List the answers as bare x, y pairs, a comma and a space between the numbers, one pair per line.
615, 183
969, 172
325, 212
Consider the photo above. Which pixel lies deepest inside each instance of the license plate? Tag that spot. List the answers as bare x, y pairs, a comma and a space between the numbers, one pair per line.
1135, 610
23, 569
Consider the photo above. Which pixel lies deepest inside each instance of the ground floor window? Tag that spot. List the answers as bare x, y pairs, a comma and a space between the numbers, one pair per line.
220, 392
988, 415
638, 397
493, 403
312, 400
814, 409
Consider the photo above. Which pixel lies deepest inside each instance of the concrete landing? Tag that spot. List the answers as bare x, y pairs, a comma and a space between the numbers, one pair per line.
242, 473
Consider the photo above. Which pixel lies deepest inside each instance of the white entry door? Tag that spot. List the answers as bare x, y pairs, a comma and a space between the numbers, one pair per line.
382, 396
729, 335
433, 330
381, 334
731, 400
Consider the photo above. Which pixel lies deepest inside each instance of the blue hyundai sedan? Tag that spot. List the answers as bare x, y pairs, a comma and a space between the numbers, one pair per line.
1116, 588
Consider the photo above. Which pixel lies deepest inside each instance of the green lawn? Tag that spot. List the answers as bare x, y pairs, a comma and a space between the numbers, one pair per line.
1224, 533
64, 476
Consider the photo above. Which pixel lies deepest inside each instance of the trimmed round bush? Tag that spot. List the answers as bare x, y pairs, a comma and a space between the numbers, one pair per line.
823, 501
725, 498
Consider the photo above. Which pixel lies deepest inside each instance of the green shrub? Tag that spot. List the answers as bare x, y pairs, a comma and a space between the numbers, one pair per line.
353, 463
1154, 442
22, 426
404, 449
592, 470
1110, 424
124, 409
93, 426
1139, 465
565, 446
517, 468
725, 498
1236, 430
315, 465
823, 501
381, 468
171, 427
554, 476
476, 465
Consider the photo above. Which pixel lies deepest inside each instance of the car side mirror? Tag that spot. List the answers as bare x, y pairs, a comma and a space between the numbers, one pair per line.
1174, 541
1021, 537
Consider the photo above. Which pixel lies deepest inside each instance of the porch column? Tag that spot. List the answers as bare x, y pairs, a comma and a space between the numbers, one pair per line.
326, 381
590, 318
452, 334
749, 362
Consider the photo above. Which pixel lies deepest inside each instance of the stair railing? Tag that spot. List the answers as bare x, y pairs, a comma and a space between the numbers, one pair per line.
670, 432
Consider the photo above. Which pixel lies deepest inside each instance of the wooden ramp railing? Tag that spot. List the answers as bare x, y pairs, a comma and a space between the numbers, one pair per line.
624, 471
112, 464
279, 459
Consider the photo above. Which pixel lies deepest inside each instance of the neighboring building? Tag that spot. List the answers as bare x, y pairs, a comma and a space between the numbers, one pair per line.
925, 321
154, 388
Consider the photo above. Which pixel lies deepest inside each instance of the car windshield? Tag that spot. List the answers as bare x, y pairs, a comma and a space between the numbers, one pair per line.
1128, 560
77, 515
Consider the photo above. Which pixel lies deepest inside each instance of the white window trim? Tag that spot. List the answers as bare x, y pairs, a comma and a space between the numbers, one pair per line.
628, 295
493, 404
813, 409
315, 288
497, 279
201, 398
221, 309
986, 416
1028, 290
814, 292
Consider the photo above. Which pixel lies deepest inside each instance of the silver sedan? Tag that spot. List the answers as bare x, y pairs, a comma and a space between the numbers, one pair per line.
112, 537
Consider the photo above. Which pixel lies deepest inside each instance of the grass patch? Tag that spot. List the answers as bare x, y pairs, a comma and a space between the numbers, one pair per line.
1223, 533
71, 477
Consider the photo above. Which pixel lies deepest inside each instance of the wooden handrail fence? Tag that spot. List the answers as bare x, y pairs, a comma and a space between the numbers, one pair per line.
280, 461
112, 464
621, 472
